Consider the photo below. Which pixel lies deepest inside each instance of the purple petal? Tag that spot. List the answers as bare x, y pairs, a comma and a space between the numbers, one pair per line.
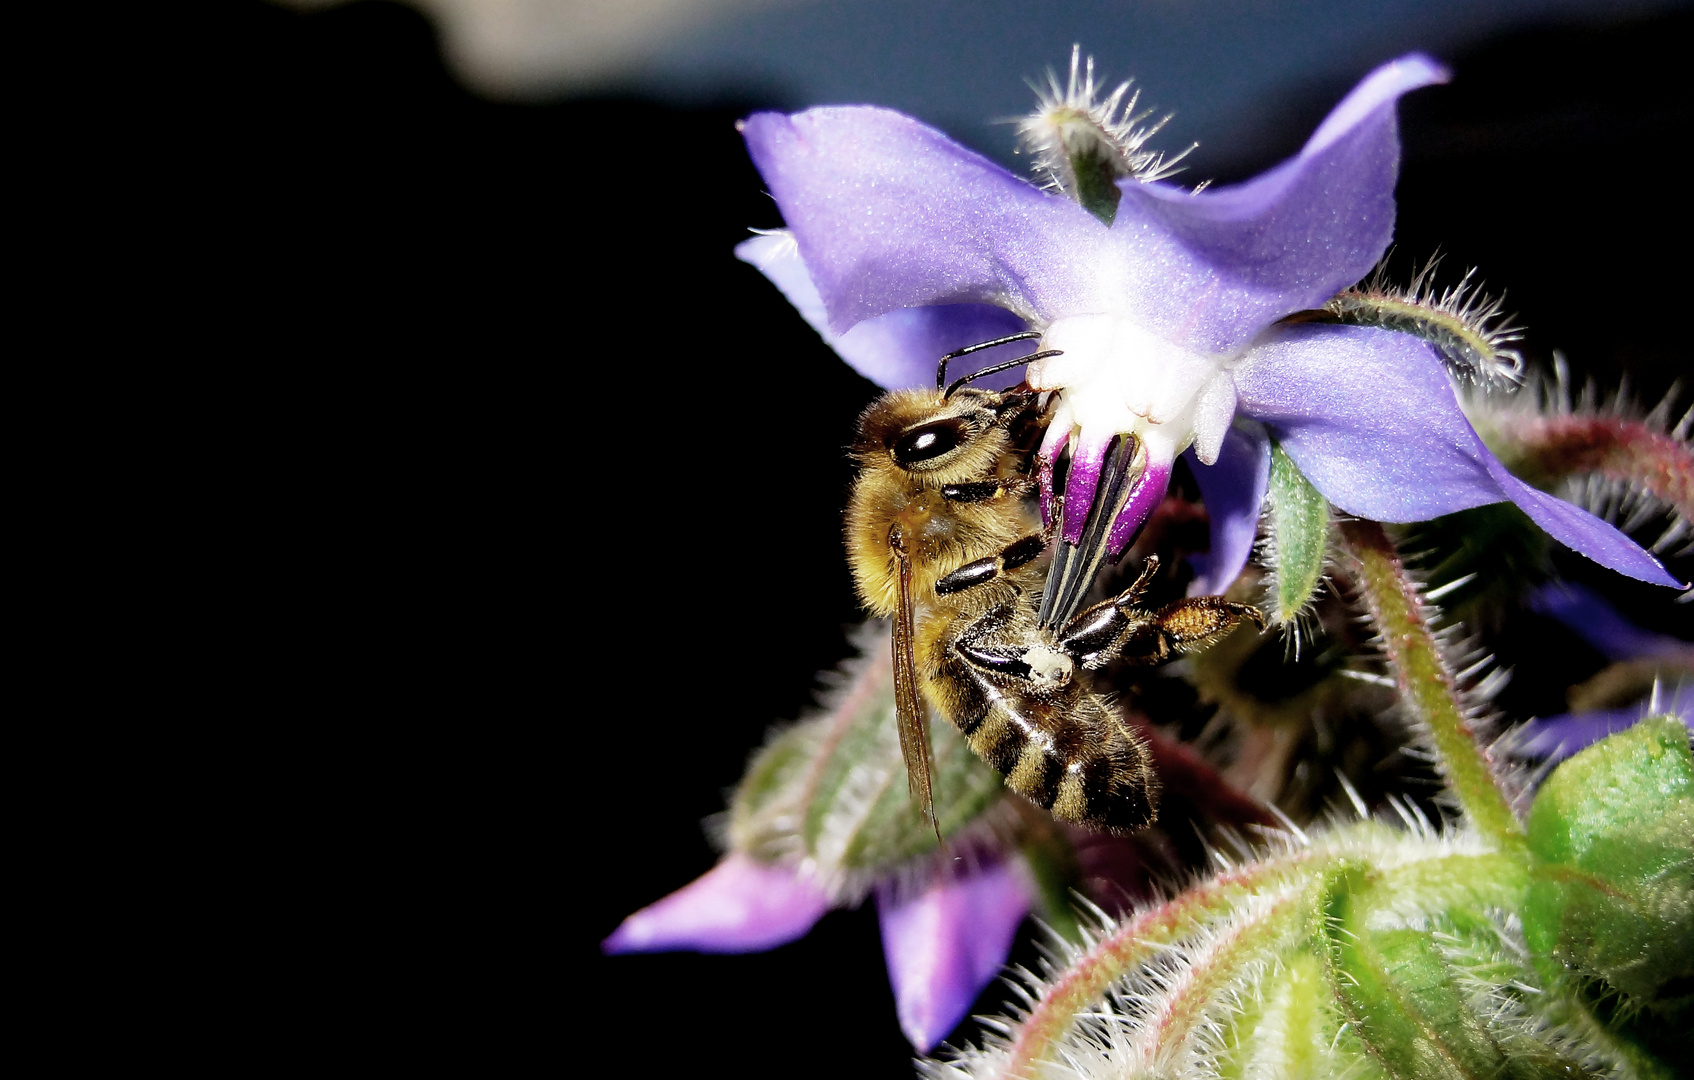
1212, 270
945, 944
1233, 491
1082, 484
890, 214
1371, 419
1555, 738
1587, 614
740, 905
898, 350
1577, 529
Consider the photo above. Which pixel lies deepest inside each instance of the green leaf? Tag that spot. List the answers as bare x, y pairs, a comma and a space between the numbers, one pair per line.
1298, 518
1612, 831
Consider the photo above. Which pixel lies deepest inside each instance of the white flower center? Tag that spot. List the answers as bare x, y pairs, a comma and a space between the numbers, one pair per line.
1118, 377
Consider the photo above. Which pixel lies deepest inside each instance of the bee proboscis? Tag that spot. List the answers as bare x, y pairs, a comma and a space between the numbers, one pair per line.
942, 538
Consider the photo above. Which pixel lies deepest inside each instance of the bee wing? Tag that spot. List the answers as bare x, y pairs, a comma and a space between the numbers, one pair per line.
908, 706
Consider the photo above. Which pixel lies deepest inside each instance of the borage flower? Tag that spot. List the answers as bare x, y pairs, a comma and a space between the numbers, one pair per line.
902, 245
943, 941
822, 820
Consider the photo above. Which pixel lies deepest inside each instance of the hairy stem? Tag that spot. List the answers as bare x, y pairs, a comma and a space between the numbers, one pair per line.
1133, 943
1426, 682
1259, 932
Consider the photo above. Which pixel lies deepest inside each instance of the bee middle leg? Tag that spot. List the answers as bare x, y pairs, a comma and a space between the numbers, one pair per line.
1043, 668
1013, 487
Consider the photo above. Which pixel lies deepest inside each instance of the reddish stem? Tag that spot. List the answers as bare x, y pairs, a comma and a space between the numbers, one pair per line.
1550, 448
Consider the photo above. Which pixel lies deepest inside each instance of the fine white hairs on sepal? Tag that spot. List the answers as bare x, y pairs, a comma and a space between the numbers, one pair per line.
1072, 113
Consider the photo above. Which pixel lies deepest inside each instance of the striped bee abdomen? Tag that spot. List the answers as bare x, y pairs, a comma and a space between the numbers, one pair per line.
1062, 749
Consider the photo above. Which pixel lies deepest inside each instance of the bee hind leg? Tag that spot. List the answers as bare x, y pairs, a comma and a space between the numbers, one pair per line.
1117, 628
1188, 625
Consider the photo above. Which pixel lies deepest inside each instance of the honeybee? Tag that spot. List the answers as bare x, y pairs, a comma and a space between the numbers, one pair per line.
942, 537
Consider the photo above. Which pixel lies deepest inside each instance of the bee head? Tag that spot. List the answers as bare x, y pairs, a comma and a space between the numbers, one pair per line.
941, 440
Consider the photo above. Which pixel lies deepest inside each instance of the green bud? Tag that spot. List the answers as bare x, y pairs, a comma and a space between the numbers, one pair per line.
1407, 1007
1612, 831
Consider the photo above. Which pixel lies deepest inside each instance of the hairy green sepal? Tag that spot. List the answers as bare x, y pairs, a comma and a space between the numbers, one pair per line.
1408, 951
1298, 517
834, 790
1612, 832
1096, 170
1086, 160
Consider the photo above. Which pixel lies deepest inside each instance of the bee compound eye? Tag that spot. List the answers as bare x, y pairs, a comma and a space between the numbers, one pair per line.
928, 442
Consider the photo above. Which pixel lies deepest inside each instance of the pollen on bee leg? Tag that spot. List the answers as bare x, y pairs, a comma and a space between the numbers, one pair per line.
1047, 665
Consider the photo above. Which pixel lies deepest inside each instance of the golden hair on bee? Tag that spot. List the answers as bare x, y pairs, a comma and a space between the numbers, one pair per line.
912, 447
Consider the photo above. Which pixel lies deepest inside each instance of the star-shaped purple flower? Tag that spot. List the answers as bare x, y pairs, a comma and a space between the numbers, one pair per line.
902, 245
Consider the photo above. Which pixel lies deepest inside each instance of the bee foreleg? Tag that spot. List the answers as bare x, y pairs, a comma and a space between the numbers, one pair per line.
1019, 553
974, 492
1130, 596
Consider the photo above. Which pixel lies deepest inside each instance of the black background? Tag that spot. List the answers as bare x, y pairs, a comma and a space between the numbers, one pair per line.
539, 490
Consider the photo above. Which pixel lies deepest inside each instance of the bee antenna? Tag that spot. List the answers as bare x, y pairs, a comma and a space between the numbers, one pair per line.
1000, 367
941, 372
